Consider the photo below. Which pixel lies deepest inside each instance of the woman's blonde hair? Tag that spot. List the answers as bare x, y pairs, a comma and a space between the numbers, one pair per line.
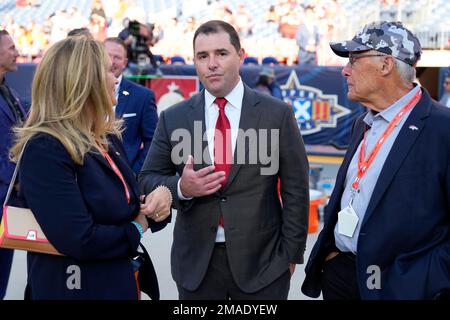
70, 99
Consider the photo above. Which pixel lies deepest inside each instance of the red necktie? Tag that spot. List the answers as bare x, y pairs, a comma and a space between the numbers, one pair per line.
222, 144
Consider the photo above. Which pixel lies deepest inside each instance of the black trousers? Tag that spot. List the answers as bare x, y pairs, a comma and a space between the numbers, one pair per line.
6, 257
219, 284
339, 280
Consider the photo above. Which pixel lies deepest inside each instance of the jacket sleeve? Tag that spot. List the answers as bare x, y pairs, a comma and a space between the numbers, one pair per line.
424, 273
147, 127
48, 183
6, 166
294, 188
153, 225
158, 167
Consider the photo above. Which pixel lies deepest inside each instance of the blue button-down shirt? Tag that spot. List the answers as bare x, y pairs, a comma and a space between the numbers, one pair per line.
377, 123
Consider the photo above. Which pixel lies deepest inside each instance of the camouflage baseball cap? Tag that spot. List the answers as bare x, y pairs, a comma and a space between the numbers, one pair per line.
391, 38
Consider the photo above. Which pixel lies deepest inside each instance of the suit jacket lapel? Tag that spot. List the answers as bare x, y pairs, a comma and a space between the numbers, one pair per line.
19, 103
250, 115
116, 156
5, 108
197, 128
100, 158
123, 99
119, 158
357, 136
405, 140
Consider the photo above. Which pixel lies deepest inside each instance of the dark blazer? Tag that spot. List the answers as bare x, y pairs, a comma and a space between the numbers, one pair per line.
261, 236
7, 122
406, 228
84, 213
136, 106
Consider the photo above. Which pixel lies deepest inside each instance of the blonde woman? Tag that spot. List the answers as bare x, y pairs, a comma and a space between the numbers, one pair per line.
75, 178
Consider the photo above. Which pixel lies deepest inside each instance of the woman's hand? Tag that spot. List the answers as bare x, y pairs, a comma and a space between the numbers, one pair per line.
157, 204
142, 220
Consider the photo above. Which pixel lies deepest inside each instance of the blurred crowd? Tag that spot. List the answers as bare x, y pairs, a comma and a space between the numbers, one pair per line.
172, 33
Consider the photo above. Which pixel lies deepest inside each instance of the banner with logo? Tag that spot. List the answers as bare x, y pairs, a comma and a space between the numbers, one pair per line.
170, 90
318, 96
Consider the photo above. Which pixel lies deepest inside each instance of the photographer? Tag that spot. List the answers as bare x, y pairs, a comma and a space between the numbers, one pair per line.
138, 38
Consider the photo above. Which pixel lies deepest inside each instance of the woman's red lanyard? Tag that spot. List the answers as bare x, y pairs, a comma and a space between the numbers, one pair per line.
119, 174
364, 164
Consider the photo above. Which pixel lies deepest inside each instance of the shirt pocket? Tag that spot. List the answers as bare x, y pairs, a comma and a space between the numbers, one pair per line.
128, 115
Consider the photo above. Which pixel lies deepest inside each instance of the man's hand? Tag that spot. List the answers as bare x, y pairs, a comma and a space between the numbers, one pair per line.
157, 205
200, 183
129, 40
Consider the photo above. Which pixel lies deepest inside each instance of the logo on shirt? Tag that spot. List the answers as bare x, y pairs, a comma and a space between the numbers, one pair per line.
314, 110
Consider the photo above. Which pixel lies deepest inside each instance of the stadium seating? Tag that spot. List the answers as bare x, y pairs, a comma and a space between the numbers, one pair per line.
159, 58
177, 60
429, 19
251, 60
270, 60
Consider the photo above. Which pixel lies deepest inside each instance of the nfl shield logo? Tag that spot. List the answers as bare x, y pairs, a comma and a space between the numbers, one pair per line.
313, 109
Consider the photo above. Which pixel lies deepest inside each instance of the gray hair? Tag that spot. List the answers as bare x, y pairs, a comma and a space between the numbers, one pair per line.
405, 71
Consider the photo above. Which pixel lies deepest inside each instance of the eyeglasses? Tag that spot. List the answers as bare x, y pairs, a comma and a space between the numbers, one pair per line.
352, 59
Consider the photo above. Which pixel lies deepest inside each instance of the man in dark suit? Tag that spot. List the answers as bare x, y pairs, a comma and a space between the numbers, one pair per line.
232, 239
135, 105
12, 113
387, 225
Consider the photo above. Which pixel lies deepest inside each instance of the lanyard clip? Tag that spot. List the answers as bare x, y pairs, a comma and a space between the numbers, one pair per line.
355, 184
352, 194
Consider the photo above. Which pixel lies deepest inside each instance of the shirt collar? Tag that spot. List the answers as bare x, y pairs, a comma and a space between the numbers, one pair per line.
234, 98
389, 113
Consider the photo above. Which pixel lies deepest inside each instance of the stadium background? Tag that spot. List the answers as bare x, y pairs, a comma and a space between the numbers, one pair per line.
267, 29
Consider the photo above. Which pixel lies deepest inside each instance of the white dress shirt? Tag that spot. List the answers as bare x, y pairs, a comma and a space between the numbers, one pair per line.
233, 112
116, 90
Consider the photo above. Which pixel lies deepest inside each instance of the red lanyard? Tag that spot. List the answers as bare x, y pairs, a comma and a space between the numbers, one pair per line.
119, 174
364, 164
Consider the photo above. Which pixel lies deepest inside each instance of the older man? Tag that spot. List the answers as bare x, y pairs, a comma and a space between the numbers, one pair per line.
12, 113
135, 105
387, 226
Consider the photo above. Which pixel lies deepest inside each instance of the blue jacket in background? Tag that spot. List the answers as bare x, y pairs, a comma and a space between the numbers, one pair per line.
136, 106
7, 122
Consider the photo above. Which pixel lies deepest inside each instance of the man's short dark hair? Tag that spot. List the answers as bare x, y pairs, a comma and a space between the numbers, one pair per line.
117, 41
216, 26
80, 32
